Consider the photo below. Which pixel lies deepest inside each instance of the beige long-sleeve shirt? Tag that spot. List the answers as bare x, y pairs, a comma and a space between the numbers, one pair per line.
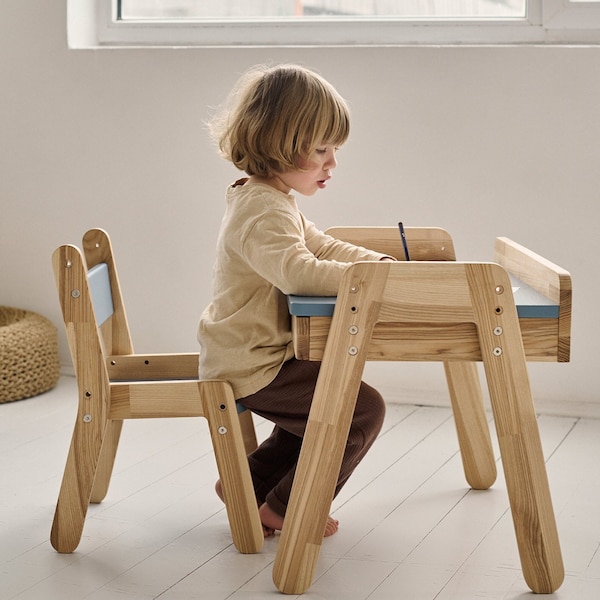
266, 250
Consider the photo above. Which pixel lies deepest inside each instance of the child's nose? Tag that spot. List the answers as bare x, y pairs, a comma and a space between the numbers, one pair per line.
331, 161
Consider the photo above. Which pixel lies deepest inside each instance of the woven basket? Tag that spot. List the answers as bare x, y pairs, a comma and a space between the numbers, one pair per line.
29, 363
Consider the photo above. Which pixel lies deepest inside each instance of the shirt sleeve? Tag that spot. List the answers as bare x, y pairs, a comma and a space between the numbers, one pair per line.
294, 256
326, 247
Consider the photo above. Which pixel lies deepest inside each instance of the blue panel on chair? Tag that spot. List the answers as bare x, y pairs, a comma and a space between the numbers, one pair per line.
99, 282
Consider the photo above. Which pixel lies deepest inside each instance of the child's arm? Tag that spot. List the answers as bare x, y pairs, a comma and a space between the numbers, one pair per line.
325, 247
297, 258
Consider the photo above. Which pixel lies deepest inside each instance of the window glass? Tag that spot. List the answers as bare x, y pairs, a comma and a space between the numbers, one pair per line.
320, 9
330, 23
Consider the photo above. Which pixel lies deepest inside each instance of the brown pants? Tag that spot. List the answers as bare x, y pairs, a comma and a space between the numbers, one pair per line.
286, 402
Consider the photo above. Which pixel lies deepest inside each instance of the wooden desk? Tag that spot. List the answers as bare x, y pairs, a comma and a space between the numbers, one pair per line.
538, 320
456, 313
543, 301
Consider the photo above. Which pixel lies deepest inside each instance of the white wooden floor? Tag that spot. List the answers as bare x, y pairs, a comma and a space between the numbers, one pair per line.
410, 528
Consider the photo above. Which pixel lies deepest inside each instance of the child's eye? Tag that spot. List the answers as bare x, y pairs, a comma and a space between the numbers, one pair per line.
323, 150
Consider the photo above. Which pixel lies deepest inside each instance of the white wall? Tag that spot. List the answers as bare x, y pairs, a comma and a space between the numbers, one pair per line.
481, 141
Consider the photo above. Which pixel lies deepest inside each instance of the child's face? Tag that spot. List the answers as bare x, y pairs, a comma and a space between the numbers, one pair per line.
316, 171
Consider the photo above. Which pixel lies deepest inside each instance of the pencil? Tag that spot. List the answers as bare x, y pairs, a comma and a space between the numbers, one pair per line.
403, 237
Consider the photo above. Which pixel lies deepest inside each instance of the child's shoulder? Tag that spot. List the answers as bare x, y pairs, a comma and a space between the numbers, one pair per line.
260, 208
260, 196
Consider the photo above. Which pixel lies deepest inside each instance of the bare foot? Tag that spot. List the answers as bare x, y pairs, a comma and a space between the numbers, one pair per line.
219, 490
272, 520
267, 531
269, 518
331, 526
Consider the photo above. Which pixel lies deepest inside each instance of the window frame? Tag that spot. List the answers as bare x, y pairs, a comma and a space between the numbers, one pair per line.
94, 24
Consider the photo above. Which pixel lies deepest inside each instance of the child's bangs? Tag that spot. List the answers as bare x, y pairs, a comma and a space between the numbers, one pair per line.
334, 124
338, 132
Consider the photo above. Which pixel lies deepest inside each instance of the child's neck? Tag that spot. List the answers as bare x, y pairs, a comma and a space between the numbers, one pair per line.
274, 182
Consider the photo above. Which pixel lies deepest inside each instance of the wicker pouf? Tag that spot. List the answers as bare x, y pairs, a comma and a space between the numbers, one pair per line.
29, 363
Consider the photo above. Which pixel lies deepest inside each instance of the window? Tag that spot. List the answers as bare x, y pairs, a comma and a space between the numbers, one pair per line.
295, 9
227, 23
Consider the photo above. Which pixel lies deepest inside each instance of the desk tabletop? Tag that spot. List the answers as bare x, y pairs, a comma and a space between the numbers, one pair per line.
530, 304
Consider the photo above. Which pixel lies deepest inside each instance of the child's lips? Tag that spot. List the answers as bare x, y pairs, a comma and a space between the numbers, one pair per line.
322, 183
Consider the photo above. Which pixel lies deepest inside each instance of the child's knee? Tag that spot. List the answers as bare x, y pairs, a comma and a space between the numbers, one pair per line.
370, 411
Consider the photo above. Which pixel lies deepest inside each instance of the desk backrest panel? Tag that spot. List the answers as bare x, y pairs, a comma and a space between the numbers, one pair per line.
424, 243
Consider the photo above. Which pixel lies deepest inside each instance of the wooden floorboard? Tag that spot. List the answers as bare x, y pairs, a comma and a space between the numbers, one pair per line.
410, 526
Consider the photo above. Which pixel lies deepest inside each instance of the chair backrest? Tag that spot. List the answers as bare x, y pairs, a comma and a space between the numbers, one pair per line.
424, 243
97, 248
92, 306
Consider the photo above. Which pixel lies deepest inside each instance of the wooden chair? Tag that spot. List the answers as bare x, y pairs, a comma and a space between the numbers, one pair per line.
424, 311
115, 384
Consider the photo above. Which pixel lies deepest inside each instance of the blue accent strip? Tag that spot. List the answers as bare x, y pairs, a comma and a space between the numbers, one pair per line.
311, 306
530, 304
100, 290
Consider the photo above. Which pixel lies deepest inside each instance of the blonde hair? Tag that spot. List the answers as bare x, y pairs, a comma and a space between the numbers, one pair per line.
277, 115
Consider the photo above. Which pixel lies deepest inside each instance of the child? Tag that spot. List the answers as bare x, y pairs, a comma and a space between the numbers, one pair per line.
282, 126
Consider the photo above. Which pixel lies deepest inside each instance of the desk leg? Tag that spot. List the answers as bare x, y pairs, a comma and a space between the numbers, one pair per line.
314, 486
471, 424
516, 424
327, 429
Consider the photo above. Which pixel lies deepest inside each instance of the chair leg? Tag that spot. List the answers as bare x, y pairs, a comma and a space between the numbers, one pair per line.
76, 487
232, 463
248, 431
106, 461
471, 424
